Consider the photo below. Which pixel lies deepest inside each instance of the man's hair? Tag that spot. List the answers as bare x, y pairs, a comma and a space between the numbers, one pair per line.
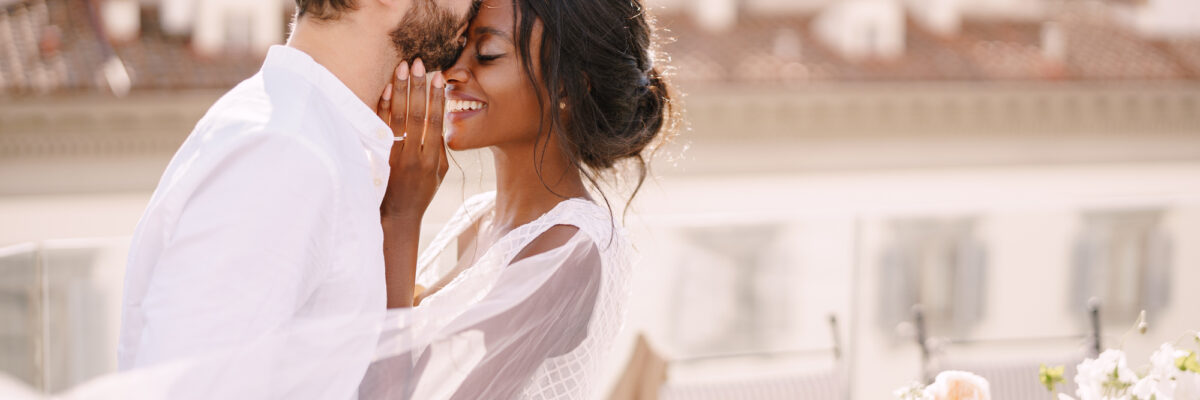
323, 9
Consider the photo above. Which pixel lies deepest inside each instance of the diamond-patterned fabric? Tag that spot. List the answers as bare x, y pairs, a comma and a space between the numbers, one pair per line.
575, 374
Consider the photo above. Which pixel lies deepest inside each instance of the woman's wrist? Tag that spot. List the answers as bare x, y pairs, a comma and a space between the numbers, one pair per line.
400, 236
400, 223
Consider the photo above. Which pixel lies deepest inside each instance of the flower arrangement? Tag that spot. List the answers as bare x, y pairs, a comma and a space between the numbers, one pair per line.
949, 385
1173, 374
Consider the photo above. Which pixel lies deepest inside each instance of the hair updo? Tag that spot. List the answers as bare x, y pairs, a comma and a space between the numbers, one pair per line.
598, 60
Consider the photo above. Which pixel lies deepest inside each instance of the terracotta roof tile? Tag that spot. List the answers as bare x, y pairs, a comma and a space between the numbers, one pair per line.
55, 48
981, 50
49, 46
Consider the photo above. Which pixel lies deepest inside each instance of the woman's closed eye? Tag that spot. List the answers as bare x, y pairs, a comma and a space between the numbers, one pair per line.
486, 58
491, 46
490, 49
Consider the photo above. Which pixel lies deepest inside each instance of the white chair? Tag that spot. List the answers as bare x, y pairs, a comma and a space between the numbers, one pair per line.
646, 377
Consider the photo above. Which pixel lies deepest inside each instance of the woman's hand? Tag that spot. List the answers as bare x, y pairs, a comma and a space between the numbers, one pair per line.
418, 165
414, 105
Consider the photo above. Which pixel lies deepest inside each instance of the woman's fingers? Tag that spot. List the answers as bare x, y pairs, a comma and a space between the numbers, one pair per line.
434, 147
417, 113
418, 106
398, 110
399, 102
418, 99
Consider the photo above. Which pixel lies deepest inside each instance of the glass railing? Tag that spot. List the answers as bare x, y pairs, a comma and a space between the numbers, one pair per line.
60, 303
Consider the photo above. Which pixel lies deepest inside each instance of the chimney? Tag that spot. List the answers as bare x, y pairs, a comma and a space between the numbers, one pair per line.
176, 16
942, 17
121, 19
715, 15
1054, 42
238, 25
862, 29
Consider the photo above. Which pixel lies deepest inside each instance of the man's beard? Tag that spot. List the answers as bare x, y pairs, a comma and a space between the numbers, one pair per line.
428, 32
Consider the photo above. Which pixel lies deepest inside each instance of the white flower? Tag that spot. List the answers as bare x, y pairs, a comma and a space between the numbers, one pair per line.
1162, 362
1162, 381
959, 385
1105, 377
1153, 387
1187, 386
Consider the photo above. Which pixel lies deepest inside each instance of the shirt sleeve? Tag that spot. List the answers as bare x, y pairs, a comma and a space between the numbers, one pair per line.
538, 309
245, 251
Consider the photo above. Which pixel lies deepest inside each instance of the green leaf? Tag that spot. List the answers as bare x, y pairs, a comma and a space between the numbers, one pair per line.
1051, 376
1188, 363
1114, 386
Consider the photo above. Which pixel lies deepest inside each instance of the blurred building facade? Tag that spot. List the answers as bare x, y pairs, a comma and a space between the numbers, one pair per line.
999, 162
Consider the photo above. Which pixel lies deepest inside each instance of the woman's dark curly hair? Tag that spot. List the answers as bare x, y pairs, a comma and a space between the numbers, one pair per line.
598, 58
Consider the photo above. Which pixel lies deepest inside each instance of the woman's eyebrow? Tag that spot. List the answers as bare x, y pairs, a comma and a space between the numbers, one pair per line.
487, 30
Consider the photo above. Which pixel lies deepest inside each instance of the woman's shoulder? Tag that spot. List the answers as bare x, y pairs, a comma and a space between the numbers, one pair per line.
590, 217
581, 216
552, 238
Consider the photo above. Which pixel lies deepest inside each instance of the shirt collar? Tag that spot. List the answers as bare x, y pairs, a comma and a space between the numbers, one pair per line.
372, 131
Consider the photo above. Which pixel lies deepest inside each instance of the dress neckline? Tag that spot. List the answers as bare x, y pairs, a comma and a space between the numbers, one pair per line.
490, 210
471, 212
522, 234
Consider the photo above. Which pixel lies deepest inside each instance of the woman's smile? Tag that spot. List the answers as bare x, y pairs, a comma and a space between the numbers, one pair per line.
460, 107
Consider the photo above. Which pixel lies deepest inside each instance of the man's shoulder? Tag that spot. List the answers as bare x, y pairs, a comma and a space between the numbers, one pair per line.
254, 122
273, 114
272, 102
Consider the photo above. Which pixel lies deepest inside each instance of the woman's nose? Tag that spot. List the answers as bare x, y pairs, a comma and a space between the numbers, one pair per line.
457, 73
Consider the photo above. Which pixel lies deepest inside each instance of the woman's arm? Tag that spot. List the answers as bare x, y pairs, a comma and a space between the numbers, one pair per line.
418, 165
400, 247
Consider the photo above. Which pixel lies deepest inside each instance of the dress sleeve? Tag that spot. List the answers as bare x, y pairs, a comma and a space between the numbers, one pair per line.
247, 247
493, 347
538, 309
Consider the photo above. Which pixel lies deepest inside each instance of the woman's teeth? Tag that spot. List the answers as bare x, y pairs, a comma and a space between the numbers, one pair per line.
463, 105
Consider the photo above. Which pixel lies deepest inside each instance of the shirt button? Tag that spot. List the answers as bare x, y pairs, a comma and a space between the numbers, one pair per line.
378, 182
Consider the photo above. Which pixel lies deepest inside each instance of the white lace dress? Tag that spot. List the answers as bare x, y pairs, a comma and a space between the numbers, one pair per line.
547, 321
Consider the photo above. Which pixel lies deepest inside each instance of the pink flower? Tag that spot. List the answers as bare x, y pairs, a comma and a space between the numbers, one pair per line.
959, 385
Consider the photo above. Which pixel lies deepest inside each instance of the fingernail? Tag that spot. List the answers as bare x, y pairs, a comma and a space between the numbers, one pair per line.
438, 81
387, 92
402, 71
418, 68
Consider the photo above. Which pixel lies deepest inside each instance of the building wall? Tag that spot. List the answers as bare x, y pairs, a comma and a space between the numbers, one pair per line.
776, 215
834, 230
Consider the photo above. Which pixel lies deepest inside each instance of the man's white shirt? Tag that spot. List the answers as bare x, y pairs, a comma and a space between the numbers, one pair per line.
268, 213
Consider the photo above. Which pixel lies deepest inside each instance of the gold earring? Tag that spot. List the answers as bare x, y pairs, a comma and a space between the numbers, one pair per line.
562, 105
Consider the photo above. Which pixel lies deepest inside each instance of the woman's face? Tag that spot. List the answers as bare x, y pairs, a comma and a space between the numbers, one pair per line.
490, 100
